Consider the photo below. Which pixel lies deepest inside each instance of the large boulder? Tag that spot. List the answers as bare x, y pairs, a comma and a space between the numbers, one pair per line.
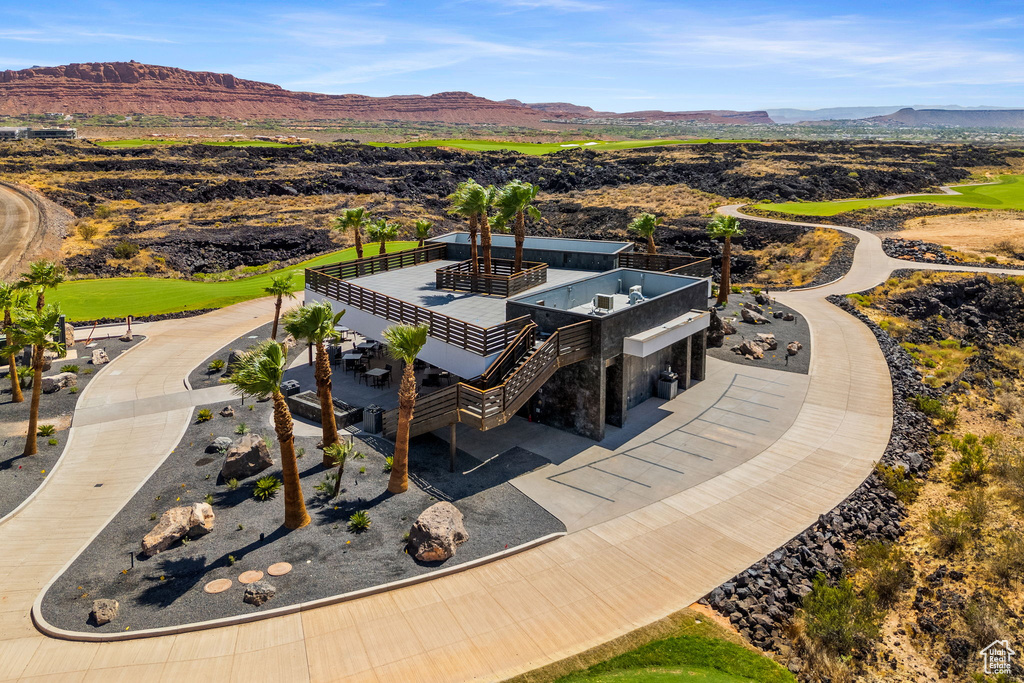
57, 382
104, 611
227, 411
716, 332
99, 357
69, 335
767, 341
219, 445
749, 349
437, 532
753, 317
288, 343
233, 359
258, 592
126, 337
246, 457
793, 348
191, 521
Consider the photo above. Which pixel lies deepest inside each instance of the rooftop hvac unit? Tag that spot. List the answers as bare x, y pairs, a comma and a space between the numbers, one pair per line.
636, 294
604, 302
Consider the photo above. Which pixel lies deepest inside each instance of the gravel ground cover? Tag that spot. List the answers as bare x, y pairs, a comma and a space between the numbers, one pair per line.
21, 475
201, 376
326, 557
785, 332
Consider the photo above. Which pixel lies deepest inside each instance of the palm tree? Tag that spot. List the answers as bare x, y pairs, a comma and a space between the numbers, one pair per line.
644, 225
422, 231
404, 343
41, 275
381, 230
462, 205
338, 453
12, 300
314, 324
36, 330
259, 373
514, 201
725, 228
354, 220
280, 287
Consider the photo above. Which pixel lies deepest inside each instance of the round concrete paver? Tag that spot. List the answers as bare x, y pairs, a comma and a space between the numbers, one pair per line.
279, 569
250, 576
217, 586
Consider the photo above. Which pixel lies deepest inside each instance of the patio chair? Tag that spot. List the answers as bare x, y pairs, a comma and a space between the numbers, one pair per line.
445, 376
361, 369
390, 375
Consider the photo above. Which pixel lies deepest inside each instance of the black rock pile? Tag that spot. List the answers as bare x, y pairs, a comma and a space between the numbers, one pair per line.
917, 250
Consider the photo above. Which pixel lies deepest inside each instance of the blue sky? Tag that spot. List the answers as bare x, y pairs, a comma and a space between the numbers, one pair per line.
609, 54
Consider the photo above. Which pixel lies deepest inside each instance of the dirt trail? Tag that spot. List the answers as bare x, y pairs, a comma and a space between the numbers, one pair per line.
31, 227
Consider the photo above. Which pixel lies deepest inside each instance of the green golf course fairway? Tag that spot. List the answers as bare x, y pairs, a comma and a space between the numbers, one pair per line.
1007, 194
138, 296
545, 147
666, 674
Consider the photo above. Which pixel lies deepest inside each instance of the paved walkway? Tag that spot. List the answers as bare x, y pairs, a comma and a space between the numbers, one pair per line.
19, 223
485, 623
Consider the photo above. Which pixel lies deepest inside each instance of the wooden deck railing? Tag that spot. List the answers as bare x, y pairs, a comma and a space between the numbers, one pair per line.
502, 281
675, 264
509, 358
330, 281
489, 407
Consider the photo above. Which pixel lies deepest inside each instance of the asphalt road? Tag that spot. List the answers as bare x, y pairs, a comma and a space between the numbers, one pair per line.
19, 219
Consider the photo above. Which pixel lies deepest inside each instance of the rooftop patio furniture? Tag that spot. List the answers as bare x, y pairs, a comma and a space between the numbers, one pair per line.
379, 376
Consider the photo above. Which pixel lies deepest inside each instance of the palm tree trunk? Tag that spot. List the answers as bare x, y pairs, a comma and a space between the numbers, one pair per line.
651, 248
520, 238
295, 515
724, 286
277, 316
41, 299
420, 245
485, 242
37, 390
383, 248
399, 481
323, 391
16, 396
359, 242
472, 242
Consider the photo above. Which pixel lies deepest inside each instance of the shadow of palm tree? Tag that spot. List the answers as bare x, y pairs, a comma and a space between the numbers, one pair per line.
178, 576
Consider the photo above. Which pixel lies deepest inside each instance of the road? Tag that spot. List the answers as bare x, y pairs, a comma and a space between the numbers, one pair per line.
19, 223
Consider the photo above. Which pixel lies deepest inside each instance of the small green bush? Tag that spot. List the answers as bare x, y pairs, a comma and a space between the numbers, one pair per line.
950, 531
1007, 560
326, 485
69, 368
87, 371
241, 428
232, 484
972, 465
736, 289
126, 250
231, 560
837, 618
24, 377
52, 442
72, 390
359, 521
389, 462
46, 430
976, 504
266, 488
933, 408
208, 499
886, 570
897, 480
204, 415
991, 259
102, 211
216, 365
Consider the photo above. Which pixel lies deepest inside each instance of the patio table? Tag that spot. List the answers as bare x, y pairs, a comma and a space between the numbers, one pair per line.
378, 373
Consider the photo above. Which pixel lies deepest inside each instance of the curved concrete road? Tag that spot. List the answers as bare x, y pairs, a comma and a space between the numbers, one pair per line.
486, 623
19, 224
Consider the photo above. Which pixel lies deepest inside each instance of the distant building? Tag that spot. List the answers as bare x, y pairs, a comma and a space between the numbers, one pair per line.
24, 133
13, 134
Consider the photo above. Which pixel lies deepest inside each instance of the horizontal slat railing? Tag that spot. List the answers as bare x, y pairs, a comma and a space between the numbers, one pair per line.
502, 281
675, 264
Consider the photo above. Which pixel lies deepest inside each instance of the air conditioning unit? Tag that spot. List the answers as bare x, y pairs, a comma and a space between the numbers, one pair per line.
636, 294
604, 302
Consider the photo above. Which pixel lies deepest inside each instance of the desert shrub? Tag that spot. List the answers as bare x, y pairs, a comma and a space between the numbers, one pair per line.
241, 428
950, 531
69, 368
86, 231
1008, 405
1007, 560
52, 442
972, 464
933, 408
216, 365
126, 250
359, 521
24, 377
389, 462
326, 485
991, 259
102, 211
977, 504
838, 619
204, 415
72, 390
46, 430
87, 371
232, 484
1010, 356
983, 626
208, 499
736, 289
885, 571
859, 299
266, 488
897, 480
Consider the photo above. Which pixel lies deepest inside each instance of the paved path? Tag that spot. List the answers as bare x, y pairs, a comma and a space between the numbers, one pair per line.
485, 623
19, 223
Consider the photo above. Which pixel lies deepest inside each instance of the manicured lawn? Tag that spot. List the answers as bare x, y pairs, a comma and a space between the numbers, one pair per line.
216, 143
545, 147
1008, 194
120, 297
686, 657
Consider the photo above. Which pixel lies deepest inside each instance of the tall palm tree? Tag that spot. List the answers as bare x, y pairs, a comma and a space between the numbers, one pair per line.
280, 287
41, 275
259, 373
514, 200
354, 220
12, 300
37, 330
644, 225
462, 205
314, 324
382, 230
423, 231
404, 343
725, 228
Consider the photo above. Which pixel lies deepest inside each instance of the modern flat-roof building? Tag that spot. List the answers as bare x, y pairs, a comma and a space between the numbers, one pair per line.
577, 337
11, 133
24, 133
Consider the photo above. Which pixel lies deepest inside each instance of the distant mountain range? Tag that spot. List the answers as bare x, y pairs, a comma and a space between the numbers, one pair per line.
132, 88
1001, 118
850, 113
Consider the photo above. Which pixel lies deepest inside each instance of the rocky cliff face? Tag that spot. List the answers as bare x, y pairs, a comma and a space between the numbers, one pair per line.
1005, 118
134, 88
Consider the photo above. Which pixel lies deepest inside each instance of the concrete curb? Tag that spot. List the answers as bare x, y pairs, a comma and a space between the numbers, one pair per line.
54, 632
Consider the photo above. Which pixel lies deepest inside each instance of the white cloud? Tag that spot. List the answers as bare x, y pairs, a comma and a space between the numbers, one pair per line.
556, 5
